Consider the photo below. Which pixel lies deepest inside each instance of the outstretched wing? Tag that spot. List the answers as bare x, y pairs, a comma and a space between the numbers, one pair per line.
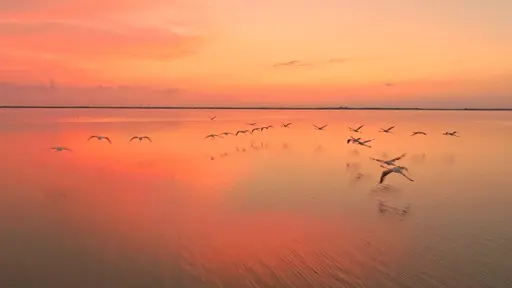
108, 139
367, 141
133, 138
390, 128
349, 140
316, 126
146, 137
360, 127
323, 127
384, 174
397, 158
255, 129
407, 177
375, 159
94, 136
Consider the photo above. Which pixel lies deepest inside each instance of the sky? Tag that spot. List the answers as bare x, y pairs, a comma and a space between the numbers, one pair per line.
419, 53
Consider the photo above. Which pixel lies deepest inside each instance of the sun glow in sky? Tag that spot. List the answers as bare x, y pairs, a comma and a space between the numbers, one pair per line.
235, 52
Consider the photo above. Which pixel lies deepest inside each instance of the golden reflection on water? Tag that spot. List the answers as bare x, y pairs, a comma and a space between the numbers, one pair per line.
278, 208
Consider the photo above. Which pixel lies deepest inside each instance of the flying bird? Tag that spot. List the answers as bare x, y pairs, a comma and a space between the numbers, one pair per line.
255, 129
387, 130
241, 131
352, 139
227, 134
60, 149
100, 138
286, 125
321, 128
356, 130
252, 124
266, 127
363, 143
212, 136
454, 134
397, 169
141, 138
418, 133
390, 162
213, 118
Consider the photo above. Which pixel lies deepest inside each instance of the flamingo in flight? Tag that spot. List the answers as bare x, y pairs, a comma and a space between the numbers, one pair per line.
454, 134
60, 149
321, 128
387, 130
241, 131
141, 138
390, 162
100, 138
396, 169
212, 136
418, 133
357, 129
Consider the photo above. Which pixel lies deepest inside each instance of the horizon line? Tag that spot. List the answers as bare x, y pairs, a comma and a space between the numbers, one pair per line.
243, 108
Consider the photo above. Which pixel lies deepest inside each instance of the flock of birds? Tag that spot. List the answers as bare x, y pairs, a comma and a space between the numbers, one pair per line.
390, 166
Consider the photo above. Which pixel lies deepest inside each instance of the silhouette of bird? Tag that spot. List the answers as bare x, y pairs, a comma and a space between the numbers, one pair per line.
213, 118
100, 138
60, 149
266, 127
363, 143
356, 130
418, 133
252, 124
255, 129
454, 134
321, 128
396, 169
227, 134
352, 139
241, 131
286, 125
390, 162
212, 136
141, 138
387, 130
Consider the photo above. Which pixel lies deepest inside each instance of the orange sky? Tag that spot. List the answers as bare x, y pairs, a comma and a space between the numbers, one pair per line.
237, 52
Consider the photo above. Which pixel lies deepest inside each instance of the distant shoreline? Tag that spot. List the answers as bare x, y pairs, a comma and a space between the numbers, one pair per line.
251, 108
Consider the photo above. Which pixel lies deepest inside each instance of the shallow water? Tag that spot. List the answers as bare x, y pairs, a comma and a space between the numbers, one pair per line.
285, 210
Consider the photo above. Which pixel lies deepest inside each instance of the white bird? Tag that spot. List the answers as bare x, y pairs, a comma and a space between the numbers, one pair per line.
356, 130
60, 149
454, 133
141, 138
397, 169
100, 138
387, 130
321, 128
390, 162
418, 133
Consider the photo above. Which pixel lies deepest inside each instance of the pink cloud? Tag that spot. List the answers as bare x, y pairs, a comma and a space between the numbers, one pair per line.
81, 41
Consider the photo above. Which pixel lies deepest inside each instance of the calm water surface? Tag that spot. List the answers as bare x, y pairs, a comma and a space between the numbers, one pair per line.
285, 209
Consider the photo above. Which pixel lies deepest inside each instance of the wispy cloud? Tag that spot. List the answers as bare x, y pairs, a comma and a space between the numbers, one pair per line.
318, 63
63, 39
293, 63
